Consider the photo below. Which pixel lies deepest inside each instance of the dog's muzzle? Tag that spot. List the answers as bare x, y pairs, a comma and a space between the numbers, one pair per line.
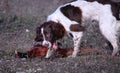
44, 43
47, 44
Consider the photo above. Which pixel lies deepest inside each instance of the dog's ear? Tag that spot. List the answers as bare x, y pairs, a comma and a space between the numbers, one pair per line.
59, 30
76, 28
38, 30
37, 33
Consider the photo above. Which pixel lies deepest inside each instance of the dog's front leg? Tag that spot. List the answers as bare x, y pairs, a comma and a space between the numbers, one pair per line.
77, 39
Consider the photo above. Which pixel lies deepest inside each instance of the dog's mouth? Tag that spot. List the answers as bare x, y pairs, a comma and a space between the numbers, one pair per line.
54, 46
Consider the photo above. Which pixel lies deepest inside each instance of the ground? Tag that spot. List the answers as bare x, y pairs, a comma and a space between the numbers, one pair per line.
17, 32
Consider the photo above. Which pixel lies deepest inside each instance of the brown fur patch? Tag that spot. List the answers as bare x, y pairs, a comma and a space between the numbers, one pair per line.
58, 29
76, 28
73, 13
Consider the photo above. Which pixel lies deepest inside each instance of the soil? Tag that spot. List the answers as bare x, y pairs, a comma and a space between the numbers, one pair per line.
17, 32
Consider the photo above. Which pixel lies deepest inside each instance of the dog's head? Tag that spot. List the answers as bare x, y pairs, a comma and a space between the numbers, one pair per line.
49, 32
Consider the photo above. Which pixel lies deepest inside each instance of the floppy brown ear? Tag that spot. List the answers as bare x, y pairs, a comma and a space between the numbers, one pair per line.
59, 30
38, 34
38, 30
76, 28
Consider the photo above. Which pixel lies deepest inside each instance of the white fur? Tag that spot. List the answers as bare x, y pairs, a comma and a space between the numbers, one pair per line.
117, 27
94, 11
44, 40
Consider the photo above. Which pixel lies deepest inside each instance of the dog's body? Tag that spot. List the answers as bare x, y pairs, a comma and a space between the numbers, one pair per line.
70, 18
115, 6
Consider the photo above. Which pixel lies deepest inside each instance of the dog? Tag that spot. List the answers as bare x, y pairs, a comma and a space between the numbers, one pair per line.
69, 19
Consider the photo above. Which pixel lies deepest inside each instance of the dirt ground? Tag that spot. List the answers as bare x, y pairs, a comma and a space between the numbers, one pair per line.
17, 32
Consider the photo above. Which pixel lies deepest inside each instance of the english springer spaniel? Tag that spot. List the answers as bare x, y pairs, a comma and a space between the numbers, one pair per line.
69, 18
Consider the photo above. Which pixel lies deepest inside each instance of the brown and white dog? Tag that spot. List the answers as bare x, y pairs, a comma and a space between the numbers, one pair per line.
69, 18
